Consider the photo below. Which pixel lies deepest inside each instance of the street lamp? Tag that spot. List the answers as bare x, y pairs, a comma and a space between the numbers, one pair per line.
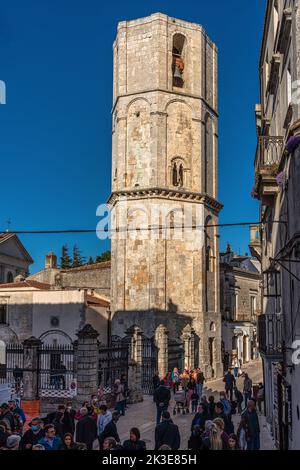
272, 282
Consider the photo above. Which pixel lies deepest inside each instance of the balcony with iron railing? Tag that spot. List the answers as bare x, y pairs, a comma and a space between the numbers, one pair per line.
270, 335
268, 156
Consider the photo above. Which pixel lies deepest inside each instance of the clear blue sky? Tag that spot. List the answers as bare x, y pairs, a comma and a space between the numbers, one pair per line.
55, 130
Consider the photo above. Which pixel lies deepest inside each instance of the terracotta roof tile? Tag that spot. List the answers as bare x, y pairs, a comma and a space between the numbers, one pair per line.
26, 283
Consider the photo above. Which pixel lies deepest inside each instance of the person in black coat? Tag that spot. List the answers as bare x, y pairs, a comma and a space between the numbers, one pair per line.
155, 381
110, 430
59, 425
32, 436
69, 418
167, 433
161, 397
134, 442
239, 399
195, 441
86, 429
200, 417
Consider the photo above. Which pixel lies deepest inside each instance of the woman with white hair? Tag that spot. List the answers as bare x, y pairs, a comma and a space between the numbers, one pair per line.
213, 441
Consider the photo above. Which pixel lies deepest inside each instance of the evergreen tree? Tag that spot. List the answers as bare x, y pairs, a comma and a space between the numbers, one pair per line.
78, 260
90, 261
105, 256
65, 260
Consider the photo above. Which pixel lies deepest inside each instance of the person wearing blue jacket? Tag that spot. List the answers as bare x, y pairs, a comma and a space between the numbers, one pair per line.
50, 441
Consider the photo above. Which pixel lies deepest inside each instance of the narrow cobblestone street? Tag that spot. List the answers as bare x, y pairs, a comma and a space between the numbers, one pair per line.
142, 415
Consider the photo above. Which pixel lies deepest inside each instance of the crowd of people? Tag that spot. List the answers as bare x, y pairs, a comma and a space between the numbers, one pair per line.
212, 426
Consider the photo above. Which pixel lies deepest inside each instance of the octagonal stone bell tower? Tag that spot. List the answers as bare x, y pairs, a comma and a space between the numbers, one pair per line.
164, 184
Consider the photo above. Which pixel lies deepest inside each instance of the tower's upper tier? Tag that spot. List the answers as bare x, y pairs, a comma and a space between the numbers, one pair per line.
160, 52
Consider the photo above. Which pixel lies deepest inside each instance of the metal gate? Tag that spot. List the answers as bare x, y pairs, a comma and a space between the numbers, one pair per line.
113, 363
56, 371
12, 371
175, 355
149, 364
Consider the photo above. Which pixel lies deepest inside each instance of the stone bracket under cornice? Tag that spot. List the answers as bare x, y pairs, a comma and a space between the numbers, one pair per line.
165, 193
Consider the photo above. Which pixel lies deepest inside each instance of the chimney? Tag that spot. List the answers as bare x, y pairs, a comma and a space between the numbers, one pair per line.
228, 249
51, 261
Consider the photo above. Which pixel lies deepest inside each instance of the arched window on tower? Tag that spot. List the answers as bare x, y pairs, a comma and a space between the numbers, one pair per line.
177, 174
180, 175
174, 175
178, 63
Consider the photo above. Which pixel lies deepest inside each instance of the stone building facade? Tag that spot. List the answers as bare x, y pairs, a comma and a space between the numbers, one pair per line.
164, 267
240, 292
52, 315
95, 277
14, 259
277, 176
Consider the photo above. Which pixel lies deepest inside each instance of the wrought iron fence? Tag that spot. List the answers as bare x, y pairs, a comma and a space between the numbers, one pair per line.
149, 364
113, 363
56, 371
12, 370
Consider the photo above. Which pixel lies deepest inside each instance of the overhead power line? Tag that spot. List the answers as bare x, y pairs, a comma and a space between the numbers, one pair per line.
154, 227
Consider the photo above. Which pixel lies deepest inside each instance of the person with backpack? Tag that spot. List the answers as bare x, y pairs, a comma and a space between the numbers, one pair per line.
162, 397
226, 404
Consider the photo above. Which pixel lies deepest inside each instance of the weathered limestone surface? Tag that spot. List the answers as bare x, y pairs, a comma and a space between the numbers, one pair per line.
159, 275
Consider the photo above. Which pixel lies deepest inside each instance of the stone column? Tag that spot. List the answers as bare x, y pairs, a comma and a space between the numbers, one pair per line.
30, 374
87, 356
135, 365
161, 342
188, 338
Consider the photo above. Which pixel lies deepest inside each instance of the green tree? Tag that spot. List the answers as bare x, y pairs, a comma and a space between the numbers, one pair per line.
65, 259
78, 259
90, 261
105, 256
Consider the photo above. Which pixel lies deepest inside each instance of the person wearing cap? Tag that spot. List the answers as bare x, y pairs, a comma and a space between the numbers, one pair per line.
50, 441
32, 436
13, 442
167, 433
6, 415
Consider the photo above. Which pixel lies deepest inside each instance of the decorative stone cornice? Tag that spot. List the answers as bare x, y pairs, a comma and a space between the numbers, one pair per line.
165, 193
